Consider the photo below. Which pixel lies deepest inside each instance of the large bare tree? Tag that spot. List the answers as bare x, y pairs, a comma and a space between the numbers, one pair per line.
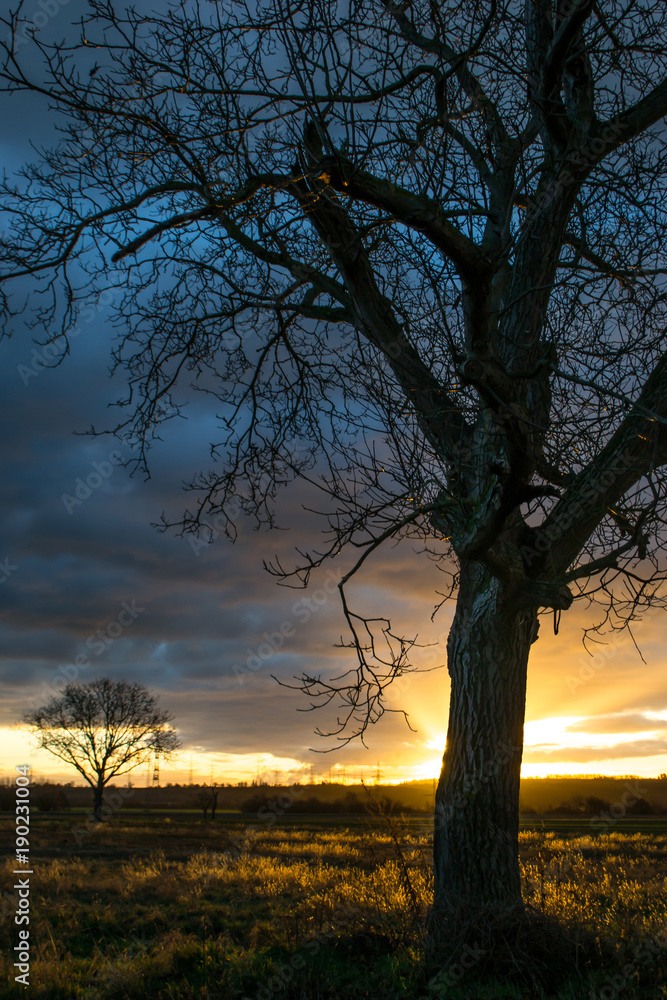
415, 253
103, 729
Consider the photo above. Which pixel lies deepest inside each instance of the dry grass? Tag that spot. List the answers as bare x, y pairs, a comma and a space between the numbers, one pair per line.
615, 882
314, 914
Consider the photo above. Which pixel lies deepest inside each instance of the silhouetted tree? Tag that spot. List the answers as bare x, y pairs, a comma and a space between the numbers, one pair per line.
103, 729
422, 244
594, 804
207, 798
642, 807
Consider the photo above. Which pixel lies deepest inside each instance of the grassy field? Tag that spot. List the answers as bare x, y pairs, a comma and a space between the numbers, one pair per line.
174, 908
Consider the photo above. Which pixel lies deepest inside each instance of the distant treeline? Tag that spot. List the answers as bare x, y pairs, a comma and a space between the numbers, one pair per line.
592, 796
349, 805
539, 796
631, 805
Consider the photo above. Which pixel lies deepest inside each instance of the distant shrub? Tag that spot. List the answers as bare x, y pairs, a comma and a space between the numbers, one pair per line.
50, 798
594, 806
575, 807
350, 804
642, 807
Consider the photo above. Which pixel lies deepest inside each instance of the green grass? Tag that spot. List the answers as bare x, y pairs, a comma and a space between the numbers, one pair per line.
173, 908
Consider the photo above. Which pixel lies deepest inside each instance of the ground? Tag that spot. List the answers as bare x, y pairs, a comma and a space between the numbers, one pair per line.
176, 908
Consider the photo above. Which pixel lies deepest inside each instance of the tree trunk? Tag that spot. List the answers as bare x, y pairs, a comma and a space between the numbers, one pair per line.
476, 865
98, 794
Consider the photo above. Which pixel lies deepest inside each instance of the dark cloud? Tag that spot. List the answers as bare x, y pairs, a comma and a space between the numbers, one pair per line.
211, 614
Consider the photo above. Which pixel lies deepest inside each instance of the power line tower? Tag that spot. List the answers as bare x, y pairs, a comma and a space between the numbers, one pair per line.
378, 774
190, 777
156, 772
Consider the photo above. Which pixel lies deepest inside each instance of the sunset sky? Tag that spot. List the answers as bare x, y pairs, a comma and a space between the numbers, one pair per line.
191, 616
196, 616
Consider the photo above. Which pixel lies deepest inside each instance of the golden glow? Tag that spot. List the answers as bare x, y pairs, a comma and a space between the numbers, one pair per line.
643, 767
16, 747
554, 733
230, 768
554, 736
575, 711
428, 770
550, 732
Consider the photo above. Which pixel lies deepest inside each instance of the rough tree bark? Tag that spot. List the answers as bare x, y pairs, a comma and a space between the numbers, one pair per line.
477, 801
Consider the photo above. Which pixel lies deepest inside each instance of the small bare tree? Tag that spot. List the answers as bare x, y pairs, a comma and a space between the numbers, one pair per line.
415, 253
103, 729
207, 798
